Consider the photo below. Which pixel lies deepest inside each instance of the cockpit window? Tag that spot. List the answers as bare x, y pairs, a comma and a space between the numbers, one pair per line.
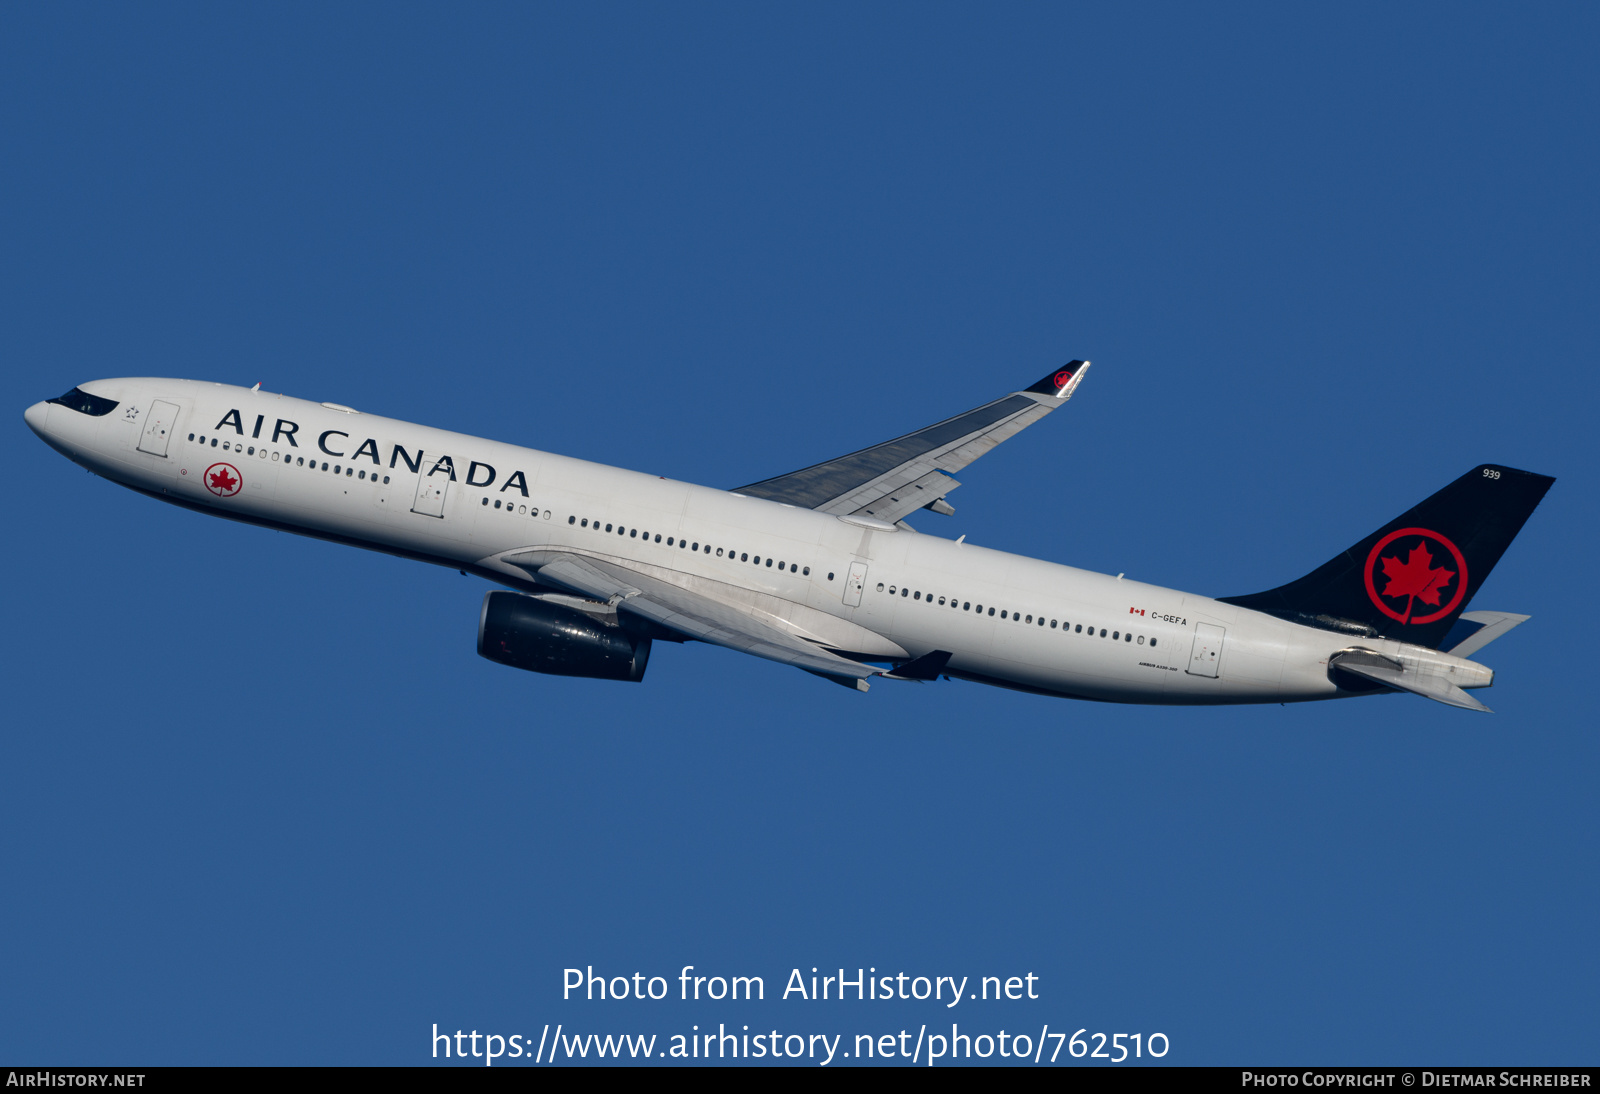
84, 403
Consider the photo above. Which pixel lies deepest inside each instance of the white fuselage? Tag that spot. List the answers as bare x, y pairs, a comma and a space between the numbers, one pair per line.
366, 480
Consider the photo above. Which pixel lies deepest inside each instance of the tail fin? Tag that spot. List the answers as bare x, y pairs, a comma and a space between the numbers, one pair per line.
1411, 579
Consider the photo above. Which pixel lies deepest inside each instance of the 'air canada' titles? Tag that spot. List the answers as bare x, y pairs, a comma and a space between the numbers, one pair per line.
481, 475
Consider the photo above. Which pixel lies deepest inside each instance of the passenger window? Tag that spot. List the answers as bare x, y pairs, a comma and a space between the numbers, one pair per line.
274, 457
1102, 632
905, 592
362, 475
967, 606
1141, 640
1152, 642
991, 611
919, 595
608, 527
225, 446
524, 509
1030, 619
191, 436
1002, 613
880, 586
807, 572
1041, 621
793, 566
669, 542
386, 480
1052, 624
1115, 636
744, 558
941, 602
324, 466
830, 575
1080, 628
484, 501
252, 451
213, 442
769, 564
1129, 637
719, 551
634, 534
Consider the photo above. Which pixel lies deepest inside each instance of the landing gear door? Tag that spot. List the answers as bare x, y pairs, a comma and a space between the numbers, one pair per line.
854, 583
431, 490
158, 426
1206, 657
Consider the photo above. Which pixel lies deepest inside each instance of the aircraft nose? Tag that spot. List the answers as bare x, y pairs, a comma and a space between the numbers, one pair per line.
36, 416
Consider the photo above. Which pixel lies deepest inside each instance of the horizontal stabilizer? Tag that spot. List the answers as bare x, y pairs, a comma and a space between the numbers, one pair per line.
1392, 674
1485, 627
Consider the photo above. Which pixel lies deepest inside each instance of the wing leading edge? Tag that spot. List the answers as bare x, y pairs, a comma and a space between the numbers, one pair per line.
889, 481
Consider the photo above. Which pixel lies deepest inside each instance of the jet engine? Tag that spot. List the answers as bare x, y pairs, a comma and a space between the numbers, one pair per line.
528, 633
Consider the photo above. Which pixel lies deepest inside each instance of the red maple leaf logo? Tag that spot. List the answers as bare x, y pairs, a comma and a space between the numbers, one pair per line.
1416, 578
224, 483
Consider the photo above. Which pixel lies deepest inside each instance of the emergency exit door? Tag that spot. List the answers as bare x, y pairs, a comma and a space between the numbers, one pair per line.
1206, 657
854, 583
158, 426
431, 490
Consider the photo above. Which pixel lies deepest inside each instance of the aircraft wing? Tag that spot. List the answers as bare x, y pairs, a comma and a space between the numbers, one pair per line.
896, 478
694, 615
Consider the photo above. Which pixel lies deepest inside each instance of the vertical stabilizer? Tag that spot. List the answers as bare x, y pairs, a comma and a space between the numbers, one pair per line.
1411, 579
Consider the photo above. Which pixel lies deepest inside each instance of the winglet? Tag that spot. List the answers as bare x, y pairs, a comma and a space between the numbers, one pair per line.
1061, 383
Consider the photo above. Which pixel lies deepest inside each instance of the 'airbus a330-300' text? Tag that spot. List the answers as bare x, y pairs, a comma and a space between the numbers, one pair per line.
817, 569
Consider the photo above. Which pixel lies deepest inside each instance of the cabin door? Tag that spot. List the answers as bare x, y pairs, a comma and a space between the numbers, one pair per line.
1206, 657
854, 584
431, 490
158, 426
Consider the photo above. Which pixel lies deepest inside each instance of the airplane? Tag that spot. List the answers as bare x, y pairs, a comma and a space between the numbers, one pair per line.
817, 569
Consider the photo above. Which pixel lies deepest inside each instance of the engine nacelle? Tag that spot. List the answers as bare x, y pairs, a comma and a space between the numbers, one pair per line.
528, 633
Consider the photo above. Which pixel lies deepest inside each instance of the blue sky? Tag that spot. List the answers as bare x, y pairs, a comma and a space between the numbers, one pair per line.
263, 802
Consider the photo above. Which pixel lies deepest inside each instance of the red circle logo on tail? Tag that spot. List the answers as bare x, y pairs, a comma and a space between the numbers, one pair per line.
1062, 379
1417, 576
223, 480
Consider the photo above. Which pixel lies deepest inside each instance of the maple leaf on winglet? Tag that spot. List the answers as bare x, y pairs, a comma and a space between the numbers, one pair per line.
1415, 578
226, 482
